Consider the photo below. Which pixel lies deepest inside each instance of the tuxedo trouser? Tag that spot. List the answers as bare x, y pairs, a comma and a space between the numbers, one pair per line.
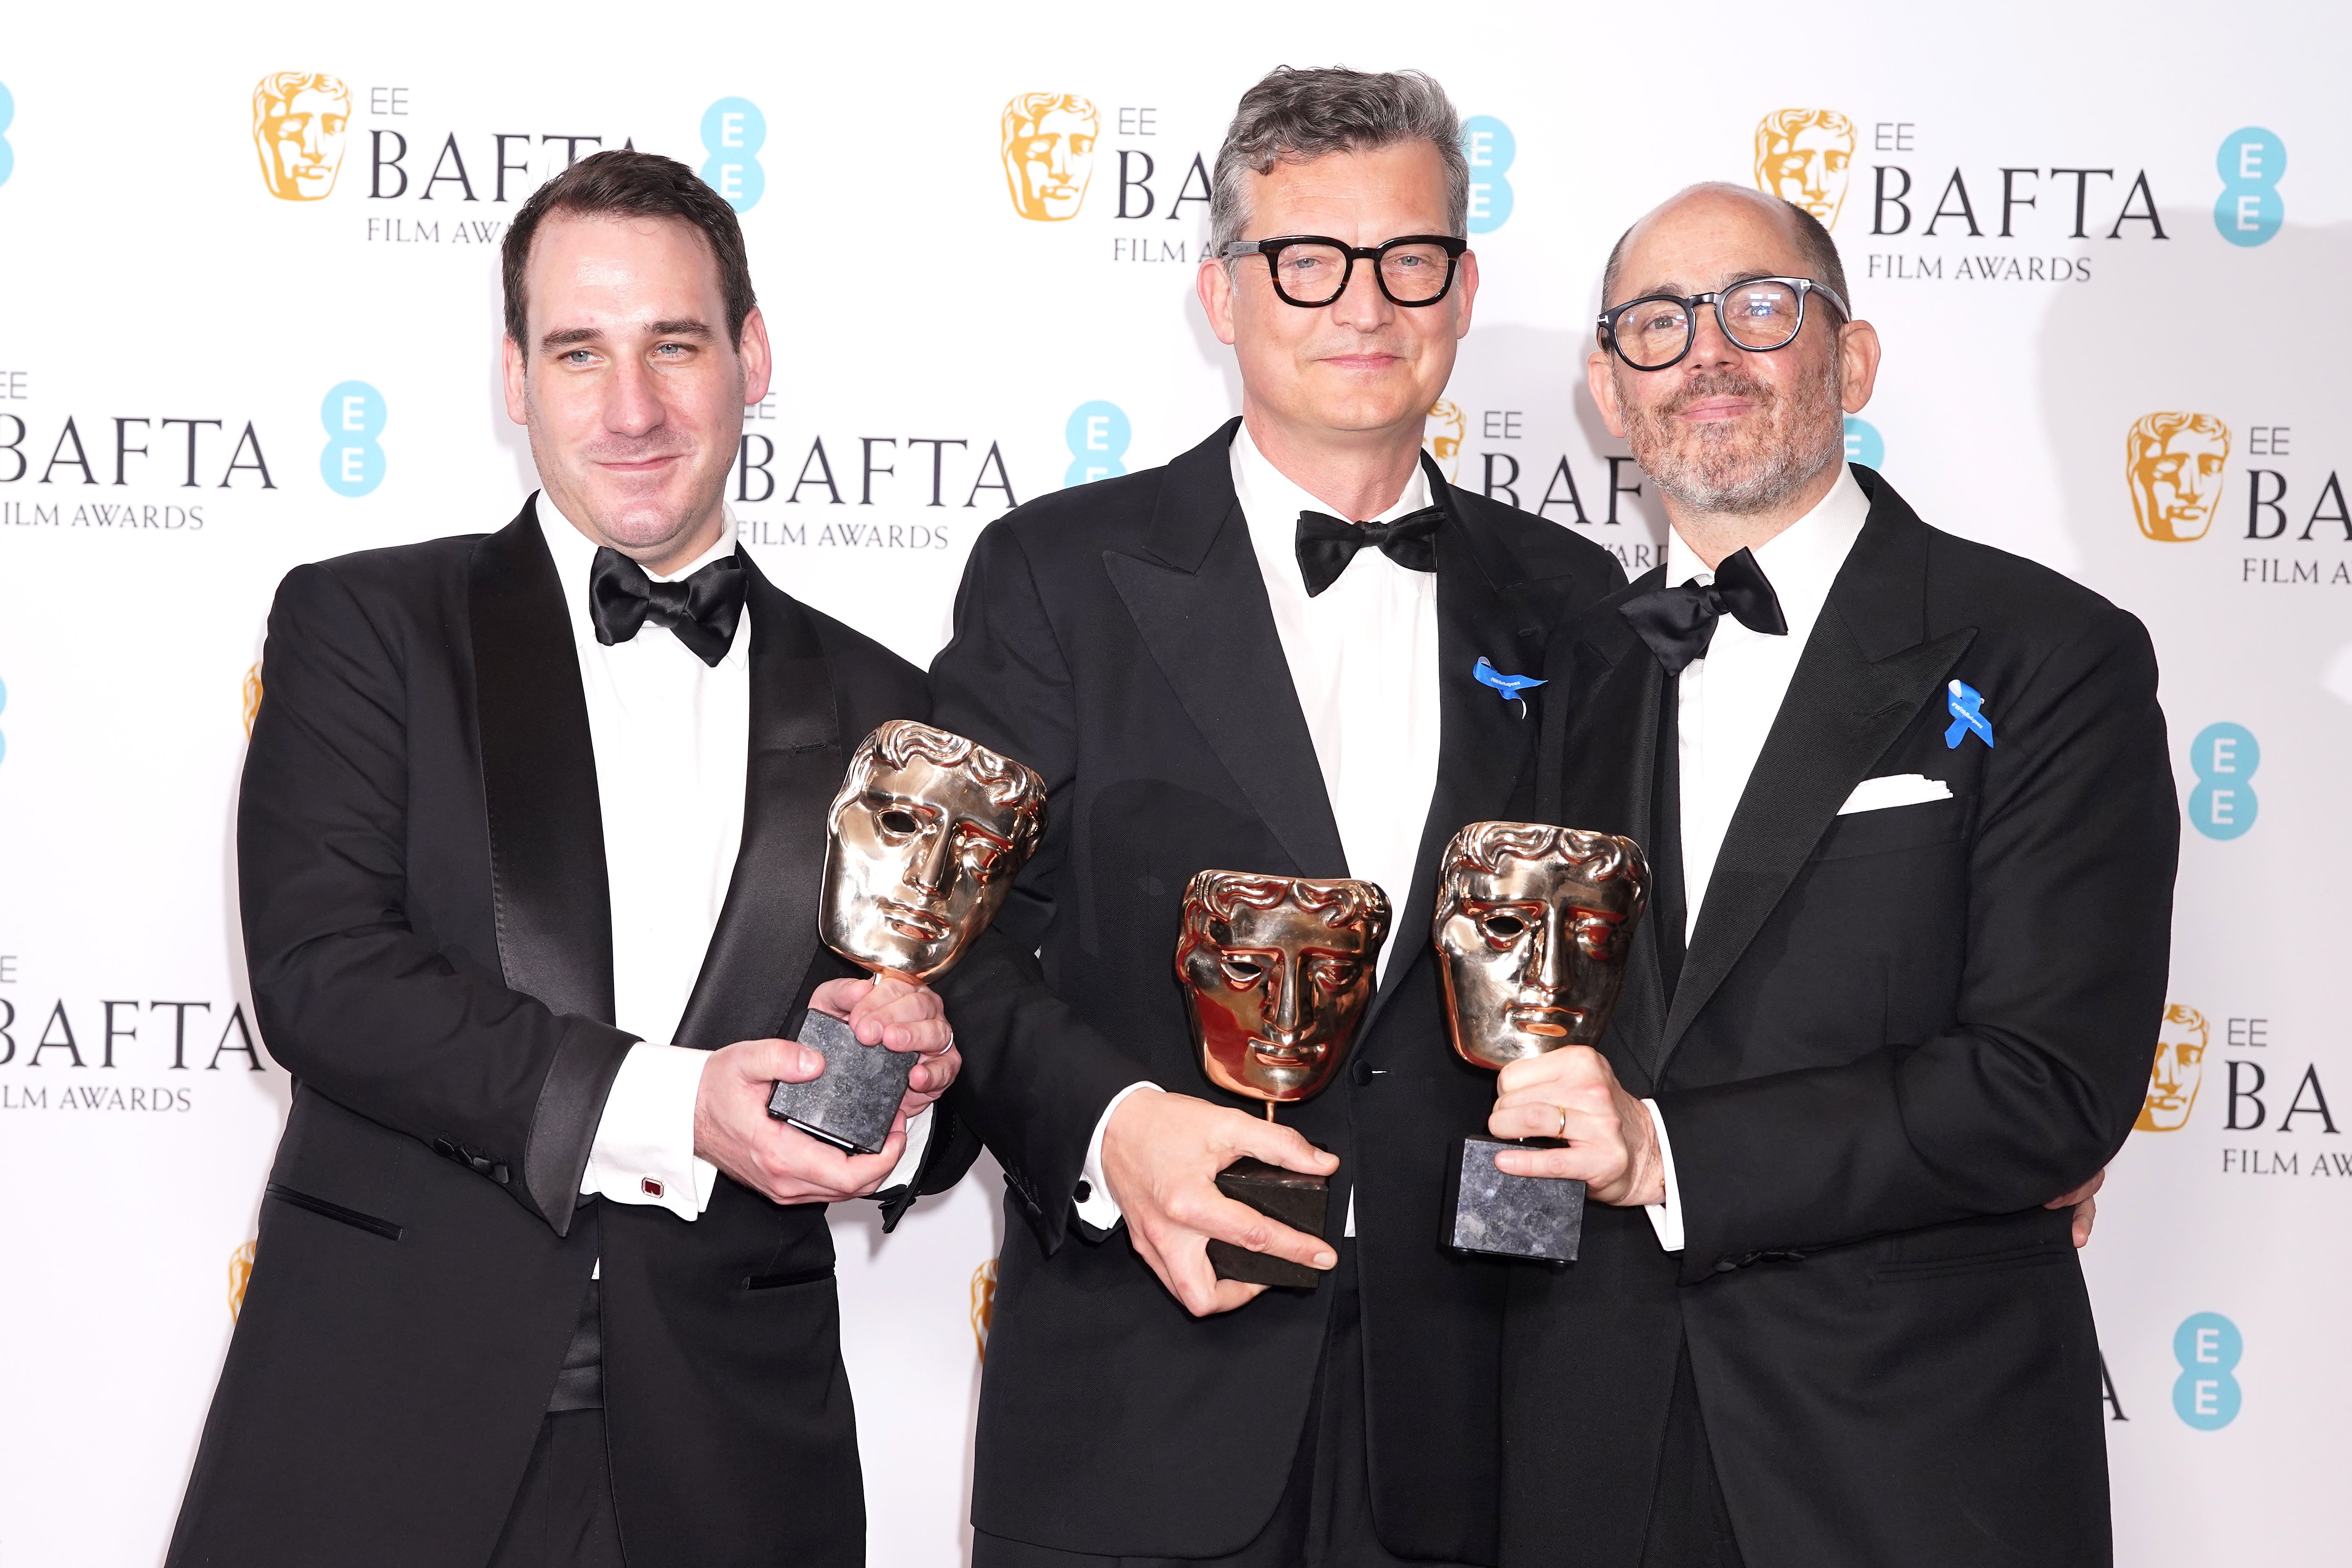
1690, 1527
1324, 1518
562, 1514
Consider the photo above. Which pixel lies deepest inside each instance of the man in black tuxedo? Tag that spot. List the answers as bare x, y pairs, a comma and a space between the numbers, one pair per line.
530, 845
1912, 831
1217, 664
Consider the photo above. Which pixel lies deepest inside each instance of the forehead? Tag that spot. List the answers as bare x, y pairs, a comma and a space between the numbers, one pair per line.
1703, 241
1550, 879
1288, 926
592, 266
1365, 197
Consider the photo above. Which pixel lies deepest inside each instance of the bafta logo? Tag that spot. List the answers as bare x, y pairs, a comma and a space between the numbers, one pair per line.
252, 698
240, 1272
1049, 154
1802, 156
300, 120
2174, 463
984, 1304
1442, 434
2178, 1069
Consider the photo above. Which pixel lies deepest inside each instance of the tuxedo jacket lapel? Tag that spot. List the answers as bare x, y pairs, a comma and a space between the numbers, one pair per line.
767, 929
1199, 600
547, 885
1863, 674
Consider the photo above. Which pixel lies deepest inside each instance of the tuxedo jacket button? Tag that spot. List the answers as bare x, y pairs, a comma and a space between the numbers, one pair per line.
499, 1174
443, 1147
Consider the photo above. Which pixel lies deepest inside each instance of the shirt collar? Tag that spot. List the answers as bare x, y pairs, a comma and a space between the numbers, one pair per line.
1271, 502
1801, 560
575, 559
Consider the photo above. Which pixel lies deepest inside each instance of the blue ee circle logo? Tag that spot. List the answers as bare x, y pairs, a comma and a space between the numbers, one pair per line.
8, 116
2224, 757
353, 414
1863, 444
1490, 147
1098, 434
2247, 211
734, 131
2207, 1346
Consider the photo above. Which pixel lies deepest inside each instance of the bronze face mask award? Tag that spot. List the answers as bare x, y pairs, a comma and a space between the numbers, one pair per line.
923, 842
1276, 971
1533, 925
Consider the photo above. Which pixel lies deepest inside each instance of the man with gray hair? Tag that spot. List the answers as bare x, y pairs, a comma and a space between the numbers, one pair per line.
1289, 652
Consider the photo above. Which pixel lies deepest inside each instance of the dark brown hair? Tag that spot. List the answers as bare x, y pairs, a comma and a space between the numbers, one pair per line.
623, 182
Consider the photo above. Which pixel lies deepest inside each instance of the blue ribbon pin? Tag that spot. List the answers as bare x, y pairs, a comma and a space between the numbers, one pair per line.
1509, 688
1967, 704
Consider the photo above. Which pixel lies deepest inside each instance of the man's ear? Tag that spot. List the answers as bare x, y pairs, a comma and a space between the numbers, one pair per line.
1600, 378
518, 399
1214, 284
758, 357
1858, 351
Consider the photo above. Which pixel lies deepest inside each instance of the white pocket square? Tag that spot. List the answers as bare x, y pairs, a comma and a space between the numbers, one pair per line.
1895, 789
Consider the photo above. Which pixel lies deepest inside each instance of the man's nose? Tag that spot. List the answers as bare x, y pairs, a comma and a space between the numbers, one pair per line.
933, 862
1551, 955
1361, 304
1709, 346
632, 405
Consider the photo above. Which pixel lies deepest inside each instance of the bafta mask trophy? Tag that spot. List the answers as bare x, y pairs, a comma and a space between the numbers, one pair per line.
1533, 924
1276, 974
923, 842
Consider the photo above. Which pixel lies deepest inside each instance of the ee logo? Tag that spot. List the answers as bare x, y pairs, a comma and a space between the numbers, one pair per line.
734, 131
1863, 444
7, 115
1490, 147
2223, 756
2247, 211
353, 414
1098, 434
2208, 1347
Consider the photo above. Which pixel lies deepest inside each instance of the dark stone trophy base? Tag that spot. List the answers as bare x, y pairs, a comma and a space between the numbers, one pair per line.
853, 1102
1510, 1216
1300, 1202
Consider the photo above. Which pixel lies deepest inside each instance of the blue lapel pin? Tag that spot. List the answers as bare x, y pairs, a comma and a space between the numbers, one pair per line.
1968, 715
1509, 688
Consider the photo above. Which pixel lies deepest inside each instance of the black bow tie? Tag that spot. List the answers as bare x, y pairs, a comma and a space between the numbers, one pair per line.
1678, 623
701, 611
1325, 544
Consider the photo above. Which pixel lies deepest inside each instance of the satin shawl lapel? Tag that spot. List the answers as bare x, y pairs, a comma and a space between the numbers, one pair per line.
1863, 674
1199, 600
547, 887
1482, 740
1609, 751
766, 934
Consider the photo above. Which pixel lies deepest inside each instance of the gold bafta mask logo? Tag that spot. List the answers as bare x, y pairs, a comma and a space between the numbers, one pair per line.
984, 1304
2174, 463
1802, 156
1443, 433
252, 699
300, 120
1277, 972
241, 1274
2179, 1070
1049, 152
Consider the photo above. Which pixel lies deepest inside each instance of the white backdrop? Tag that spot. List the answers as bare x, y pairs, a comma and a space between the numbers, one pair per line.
153, 282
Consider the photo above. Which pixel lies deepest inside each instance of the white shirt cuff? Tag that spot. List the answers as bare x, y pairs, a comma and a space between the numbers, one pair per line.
1665, 1218
918, 1138
1096, 1208
644, 1148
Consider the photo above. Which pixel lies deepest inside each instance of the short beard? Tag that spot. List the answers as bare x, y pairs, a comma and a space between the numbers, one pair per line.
1703, 468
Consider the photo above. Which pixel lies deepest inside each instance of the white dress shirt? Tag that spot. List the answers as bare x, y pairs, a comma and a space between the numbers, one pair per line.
1362, 657
1726, 704
671, 737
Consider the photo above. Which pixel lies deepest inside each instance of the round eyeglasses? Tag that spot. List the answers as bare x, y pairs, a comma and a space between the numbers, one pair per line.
1759, 315
1311, 271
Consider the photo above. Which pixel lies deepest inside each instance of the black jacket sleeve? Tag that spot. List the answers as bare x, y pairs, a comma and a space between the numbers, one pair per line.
351, 1000
2069, 932
1035, 1077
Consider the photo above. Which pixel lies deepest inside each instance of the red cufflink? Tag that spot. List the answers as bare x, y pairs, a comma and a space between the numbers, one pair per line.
651, 1188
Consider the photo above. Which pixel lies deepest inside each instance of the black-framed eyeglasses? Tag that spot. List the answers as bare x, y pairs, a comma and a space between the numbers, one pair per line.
1311, 271
1759, 314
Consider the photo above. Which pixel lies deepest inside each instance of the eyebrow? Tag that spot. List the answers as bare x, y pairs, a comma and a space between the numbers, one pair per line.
572, 337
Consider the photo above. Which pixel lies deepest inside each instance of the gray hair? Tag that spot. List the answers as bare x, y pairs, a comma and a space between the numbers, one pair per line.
1296, 116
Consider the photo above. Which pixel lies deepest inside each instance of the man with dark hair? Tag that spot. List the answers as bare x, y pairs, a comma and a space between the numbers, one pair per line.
1911, 831
1222, 664
529, 846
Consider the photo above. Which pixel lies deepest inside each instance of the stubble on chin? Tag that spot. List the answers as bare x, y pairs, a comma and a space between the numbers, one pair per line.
1737, 466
